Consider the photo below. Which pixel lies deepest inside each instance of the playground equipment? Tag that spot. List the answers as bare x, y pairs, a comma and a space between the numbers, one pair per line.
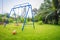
25, 5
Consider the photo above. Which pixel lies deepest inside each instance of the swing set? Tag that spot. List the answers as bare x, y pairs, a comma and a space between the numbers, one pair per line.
27, 7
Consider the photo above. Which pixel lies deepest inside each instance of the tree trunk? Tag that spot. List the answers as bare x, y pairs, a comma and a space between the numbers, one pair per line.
56, 4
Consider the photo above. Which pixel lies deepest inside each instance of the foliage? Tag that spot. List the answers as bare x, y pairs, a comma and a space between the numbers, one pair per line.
22, 20
40, 22
47, 12
1, 20
45, 9
55, 2
11, 20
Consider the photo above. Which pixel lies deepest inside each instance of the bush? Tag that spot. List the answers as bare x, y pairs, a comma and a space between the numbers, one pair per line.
22, 20
11, 20
40, 22
0, 19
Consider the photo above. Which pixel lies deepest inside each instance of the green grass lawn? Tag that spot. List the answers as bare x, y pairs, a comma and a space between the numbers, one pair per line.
41, 32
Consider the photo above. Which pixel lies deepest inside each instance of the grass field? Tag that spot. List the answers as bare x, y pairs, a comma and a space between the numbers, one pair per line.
41, 32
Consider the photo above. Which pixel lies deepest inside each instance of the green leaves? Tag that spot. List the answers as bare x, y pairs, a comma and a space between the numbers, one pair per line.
55, 2
45, 9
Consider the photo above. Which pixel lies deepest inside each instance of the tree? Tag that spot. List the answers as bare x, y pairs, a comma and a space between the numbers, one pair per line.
35, 11
44, 9
56, 4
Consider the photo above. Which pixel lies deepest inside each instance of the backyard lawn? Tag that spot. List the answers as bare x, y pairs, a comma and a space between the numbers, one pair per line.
41, 32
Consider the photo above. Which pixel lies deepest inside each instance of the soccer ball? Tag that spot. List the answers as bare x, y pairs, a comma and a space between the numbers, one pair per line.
14, 32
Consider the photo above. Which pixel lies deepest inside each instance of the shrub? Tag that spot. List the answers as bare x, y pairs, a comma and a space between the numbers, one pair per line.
11, 20
40, 22
0, 19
